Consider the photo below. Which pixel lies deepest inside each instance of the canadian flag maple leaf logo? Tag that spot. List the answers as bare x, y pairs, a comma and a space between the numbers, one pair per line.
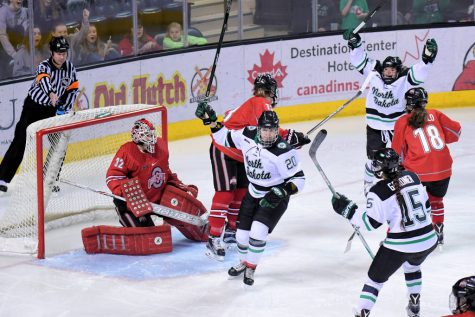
278, 71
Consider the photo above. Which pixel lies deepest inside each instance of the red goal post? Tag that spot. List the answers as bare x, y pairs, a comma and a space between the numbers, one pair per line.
79, 147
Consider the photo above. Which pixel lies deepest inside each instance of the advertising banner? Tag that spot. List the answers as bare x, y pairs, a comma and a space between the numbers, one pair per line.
308, 71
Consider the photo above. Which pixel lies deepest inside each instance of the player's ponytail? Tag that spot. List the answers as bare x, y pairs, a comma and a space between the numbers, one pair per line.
418, 118
399, 198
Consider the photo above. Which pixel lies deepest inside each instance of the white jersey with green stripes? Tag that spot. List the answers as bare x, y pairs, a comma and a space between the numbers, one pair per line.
410, 227
385, 103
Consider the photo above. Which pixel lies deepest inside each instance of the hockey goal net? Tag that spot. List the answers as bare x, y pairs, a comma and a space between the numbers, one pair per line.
77, 147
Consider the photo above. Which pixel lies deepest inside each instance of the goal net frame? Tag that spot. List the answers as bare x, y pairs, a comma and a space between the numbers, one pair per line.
39, 136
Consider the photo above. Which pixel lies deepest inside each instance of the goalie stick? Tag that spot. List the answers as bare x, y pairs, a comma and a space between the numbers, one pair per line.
362, 89
157, 209
313, 155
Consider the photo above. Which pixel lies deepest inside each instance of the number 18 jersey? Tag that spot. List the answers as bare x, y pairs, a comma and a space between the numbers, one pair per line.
424, 150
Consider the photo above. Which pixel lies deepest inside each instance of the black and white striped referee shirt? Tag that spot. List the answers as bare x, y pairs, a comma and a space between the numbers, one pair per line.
62, 81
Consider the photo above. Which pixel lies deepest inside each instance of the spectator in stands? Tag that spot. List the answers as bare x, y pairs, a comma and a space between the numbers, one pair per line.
327, 15
74, 39
41, 53
22, 60
429, 11
46, 13
93, 50
352, 12
13, 25
146, 42
173, 38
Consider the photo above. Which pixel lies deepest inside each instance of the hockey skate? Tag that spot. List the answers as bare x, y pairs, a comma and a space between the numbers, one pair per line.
237, 270
363, 313
215, 249
439, 229
229, 238
249, 276
413, 307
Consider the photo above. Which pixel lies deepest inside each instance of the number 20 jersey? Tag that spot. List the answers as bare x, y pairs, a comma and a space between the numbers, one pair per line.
424, 150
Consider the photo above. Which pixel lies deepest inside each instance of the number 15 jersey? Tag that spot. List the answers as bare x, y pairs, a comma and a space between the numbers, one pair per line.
424, 150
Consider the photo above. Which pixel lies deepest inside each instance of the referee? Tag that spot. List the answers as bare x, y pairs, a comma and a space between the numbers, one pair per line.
53, 92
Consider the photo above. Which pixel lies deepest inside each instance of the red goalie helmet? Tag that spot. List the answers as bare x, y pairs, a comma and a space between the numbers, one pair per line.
143, 133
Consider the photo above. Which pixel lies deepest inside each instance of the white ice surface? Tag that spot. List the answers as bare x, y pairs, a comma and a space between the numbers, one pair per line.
304, 271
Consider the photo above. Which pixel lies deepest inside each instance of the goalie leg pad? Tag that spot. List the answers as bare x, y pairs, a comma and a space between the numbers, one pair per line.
178, 199
127, 241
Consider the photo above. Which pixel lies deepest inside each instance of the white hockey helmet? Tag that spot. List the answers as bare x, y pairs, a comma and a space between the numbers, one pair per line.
143, 133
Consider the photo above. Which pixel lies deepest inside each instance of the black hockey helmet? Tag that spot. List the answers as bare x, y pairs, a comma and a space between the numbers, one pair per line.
269, 122
385, 163
416, 98
394, 62
58, 44
268, 84
462, 298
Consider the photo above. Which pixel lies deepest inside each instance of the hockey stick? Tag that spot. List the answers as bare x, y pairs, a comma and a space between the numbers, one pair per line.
313, 155
368, 17
218, 49
157, 209
362, 89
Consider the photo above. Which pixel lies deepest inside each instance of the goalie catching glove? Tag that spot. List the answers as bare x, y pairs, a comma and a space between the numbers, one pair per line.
354, 40
296, 139
206, 113
430, 51
273, 197
343, 206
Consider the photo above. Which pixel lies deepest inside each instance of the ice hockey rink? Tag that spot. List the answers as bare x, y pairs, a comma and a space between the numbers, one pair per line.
303, 272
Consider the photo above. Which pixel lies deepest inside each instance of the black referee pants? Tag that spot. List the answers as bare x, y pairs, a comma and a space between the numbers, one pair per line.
31, 112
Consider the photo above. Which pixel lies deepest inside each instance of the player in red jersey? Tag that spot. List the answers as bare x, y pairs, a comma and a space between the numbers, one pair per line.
462, 298
420, 138
229, 176
146, 158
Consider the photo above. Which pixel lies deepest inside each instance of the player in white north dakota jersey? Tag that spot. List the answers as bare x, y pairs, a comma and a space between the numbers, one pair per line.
385, 101
401, 201
274, 172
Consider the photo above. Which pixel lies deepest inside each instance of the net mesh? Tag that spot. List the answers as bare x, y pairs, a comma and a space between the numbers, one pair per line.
81, 155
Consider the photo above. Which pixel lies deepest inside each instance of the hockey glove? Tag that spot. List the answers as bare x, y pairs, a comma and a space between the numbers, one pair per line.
60, 110
206, 113
273, 197
343, 206
430, 51
354, 40
296, 139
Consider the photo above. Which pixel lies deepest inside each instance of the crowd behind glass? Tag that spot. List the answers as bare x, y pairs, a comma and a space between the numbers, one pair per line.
103, 30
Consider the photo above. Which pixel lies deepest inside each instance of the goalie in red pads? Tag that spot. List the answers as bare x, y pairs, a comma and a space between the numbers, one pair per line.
140, 173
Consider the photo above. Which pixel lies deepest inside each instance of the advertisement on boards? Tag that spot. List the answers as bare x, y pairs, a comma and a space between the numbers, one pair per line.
308, 71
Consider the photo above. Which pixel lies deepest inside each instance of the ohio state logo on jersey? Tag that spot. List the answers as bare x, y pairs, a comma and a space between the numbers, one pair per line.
157, 179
